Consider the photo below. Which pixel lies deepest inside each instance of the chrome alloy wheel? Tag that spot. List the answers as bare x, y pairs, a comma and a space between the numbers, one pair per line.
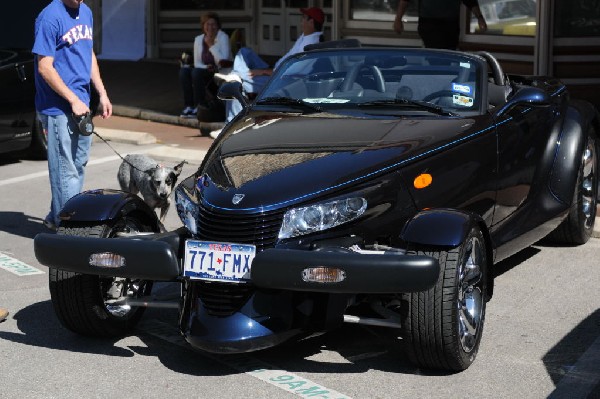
588, 197
470, 294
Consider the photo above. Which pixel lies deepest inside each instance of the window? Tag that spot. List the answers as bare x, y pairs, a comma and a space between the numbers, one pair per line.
507, 17
201, 4
379, 10
577, 18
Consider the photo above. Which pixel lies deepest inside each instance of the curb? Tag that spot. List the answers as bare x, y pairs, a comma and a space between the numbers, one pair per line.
131, 112
124, 136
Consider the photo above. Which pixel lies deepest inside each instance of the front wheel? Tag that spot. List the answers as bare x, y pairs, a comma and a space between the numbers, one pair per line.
89, 304
443, 325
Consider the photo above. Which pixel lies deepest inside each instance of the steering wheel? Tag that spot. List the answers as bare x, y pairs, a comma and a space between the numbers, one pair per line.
352, 75
438, 94
497, 73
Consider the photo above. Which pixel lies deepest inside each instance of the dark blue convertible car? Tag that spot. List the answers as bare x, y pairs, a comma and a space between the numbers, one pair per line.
364, 185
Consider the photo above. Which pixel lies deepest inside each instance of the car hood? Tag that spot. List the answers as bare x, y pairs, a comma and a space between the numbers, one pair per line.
272, 160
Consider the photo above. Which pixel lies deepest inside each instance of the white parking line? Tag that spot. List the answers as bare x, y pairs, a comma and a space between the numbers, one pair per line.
253, 367
20, 179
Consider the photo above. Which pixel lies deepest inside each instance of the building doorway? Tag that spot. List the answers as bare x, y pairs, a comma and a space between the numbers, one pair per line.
279, 25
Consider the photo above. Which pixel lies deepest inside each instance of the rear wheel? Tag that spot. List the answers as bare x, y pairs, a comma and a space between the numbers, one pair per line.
443, 326
577, 228
88, 304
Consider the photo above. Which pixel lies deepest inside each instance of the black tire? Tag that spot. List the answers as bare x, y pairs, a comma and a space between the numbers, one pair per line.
82, 302
435, 323
578, 227
39, 141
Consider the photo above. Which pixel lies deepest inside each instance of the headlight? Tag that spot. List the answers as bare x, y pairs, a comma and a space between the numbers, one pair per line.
319, 217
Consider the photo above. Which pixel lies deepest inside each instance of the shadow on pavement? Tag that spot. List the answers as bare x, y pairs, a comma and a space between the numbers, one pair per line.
20, 224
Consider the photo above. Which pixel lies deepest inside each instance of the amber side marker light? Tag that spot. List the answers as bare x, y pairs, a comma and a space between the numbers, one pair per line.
423, 180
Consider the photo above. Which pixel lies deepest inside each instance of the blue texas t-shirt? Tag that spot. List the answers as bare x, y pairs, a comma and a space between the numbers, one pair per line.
65, 34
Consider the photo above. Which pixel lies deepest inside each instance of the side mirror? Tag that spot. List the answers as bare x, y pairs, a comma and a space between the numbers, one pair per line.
232, 91
528, 96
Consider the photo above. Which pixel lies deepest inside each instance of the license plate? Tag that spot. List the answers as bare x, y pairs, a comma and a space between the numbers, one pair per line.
218, 261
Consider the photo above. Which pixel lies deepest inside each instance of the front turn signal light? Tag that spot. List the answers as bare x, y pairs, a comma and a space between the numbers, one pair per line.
323, 275
107, 260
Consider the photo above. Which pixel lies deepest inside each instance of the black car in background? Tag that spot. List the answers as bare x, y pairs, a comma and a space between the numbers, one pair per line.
20, 131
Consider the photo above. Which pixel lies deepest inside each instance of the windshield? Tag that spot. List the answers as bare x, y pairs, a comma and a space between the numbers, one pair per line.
379, 81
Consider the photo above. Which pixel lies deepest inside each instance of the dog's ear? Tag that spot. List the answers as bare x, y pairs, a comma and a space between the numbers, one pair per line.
179, 167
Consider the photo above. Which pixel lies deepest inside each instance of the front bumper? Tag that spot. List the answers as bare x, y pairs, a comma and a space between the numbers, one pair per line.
365, 273
152, 257
156, 257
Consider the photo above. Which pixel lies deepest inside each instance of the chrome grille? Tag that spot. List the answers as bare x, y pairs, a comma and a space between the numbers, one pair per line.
260, 229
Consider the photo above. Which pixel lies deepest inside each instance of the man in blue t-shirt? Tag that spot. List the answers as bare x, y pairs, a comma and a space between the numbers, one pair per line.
65, 64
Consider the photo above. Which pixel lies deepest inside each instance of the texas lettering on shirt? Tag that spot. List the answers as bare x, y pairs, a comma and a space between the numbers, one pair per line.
77, 33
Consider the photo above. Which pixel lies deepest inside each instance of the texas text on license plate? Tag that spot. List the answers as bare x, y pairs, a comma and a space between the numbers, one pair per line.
218, 261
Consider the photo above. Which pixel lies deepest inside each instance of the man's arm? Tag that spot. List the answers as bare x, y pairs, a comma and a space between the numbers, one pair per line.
480, 20
97, 81
473, 6
50, 75
400, 11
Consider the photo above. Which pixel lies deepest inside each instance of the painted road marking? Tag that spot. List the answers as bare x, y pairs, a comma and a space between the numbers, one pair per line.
20, 179
17, 267
251, 366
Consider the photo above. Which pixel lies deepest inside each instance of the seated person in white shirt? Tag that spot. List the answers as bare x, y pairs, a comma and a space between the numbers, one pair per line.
210, 49
253, 72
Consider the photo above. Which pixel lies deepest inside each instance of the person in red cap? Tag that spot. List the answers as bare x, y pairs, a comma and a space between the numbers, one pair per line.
253, 72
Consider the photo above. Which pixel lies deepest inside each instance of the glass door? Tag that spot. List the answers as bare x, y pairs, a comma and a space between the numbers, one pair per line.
279, 25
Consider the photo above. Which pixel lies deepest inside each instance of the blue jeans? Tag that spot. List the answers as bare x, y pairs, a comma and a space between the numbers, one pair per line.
245, 60
68, 153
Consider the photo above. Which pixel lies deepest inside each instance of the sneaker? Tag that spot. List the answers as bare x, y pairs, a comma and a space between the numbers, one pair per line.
49, 225
3, 314
229, 77
188, 112
215, 133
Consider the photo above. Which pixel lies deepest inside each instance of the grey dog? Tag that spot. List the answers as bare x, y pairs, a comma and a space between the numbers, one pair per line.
141, 174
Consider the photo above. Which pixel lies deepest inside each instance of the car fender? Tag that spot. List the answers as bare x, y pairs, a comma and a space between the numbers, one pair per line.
103, 205
567, 159
447, 228
439, 227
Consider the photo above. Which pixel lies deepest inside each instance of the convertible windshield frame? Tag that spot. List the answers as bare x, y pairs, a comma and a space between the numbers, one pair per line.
333, 79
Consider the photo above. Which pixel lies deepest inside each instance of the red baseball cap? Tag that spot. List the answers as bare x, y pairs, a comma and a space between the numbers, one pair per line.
315, 13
